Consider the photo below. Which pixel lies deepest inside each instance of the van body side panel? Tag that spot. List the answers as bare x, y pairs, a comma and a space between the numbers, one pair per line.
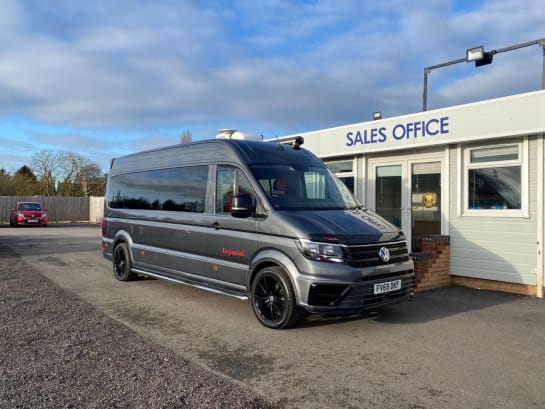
179, 243
231, 243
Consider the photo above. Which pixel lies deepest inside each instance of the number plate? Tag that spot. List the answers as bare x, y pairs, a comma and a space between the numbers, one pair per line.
387, 287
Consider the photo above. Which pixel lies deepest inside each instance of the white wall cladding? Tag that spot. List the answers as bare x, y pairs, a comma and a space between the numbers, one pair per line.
494, 248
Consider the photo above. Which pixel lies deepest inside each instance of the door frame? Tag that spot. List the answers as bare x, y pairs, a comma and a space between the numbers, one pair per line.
406, 162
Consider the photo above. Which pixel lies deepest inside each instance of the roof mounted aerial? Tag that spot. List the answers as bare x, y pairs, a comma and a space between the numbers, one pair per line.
234, 134
299, 140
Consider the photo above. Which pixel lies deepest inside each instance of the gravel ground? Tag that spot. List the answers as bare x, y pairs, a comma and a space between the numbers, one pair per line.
57, 351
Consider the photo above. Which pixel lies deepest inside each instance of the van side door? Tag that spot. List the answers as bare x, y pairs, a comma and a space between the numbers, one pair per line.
231, 241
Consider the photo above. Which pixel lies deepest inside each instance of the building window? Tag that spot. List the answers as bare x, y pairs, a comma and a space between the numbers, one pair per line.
495, 180
344, 171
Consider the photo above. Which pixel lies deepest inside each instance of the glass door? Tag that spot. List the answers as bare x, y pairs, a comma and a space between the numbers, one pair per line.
407, 193
425, 202
388, 193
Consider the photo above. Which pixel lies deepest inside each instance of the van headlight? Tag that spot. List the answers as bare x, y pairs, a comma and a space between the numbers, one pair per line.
315, 250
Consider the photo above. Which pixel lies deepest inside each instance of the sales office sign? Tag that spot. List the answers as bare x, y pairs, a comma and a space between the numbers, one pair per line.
380, 136
398, 132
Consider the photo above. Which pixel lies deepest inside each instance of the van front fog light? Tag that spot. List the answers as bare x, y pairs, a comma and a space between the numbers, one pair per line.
320, 251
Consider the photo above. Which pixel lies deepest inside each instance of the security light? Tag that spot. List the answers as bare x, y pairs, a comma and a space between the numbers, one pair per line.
377, 115
478, 55
475, 53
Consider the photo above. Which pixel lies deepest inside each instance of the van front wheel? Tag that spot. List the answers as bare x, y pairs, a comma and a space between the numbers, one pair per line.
273, 299
122, 263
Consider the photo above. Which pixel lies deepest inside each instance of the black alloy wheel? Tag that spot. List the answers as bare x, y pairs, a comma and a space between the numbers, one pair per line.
122, 263
273, 299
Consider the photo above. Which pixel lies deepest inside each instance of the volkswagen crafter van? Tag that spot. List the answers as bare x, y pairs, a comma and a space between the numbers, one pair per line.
256, 220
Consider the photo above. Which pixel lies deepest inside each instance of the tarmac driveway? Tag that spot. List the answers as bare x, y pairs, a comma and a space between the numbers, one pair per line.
449, 348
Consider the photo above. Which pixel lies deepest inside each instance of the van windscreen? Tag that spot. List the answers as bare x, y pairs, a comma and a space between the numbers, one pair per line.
301, 187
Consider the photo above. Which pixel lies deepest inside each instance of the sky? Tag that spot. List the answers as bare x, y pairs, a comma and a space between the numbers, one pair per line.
108, 78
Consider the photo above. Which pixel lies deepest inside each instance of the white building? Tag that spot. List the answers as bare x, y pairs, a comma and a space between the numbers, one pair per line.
472, 172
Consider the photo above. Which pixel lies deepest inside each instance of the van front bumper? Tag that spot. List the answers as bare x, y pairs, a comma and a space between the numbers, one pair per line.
371, 292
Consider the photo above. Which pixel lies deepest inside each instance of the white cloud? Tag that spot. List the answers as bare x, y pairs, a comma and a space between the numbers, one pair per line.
277, 66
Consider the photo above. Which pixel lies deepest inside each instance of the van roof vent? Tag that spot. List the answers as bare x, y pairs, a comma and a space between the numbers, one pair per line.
234, 134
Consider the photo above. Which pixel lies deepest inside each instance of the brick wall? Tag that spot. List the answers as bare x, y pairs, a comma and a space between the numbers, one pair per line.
432, 265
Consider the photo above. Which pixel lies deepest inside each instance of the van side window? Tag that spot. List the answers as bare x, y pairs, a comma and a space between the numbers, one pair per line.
230, 181
182, 189
177, 189
133, 191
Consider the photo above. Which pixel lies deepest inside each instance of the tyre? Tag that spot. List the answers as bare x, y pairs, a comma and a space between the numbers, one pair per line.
273, 299
122, 263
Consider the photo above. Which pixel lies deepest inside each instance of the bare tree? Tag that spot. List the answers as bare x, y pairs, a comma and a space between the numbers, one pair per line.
186, 137
64, 173
89, 177
46, 165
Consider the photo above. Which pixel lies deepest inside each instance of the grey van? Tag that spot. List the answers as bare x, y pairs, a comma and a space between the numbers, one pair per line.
256, 220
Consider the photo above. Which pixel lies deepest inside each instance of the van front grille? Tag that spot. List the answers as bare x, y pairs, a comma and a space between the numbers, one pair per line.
368, 255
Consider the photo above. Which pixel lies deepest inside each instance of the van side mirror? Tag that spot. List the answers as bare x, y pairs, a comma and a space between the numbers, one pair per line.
242, 206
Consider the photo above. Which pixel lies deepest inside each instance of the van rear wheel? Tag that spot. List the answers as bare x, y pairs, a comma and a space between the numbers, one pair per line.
122, 263
273, 299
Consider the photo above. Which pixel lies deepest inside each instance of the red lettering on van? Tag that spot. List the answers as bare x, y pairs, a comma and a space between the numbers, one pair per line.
235, 253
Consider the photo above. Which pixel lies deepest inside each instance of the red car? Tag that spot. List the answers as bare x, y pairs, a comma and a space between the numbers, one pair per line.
28, 214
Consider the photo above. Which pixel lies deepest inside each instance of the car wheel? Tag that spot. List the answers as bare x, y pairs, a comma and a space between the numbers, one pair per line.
122, 263
273, 299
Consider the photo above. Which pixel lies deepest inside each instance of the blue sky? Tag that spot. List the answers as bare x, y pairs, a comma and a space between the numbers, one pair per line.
106, 78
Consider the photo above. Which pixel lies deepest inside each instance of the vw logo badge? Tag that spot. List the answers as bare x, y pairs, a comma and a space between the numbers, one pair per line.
384, 254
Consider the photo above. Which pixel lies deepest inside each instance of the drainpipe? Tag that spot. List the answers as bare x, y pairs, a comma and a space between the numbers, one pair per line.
540, 272
540, 221
542, 44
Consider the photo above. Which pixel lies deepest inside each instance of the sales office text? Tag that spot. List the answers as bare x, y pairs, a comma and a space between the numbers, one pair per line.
400, 132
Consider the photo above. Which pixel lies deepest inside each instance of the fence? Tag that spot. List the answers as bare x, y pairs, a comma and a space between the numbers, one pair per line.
59, 209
